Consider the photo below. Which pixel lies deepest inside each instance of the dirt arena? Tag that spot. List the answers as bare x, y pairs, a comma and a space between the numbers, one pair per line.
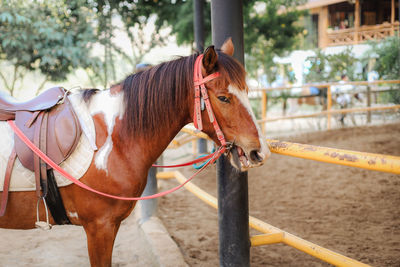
348, 210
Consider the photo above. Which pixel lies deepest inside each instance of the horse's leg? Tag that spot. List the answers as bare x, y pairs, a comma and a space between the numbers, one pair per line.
100, 239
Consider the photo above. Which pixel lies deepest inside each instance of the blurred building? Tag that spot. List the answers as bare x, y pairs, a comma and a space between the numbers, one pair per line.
350, 22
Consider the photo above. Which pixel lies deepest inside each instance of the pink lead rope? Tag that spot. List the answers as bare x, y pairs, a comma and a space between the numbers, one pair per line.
200, 88
52, 164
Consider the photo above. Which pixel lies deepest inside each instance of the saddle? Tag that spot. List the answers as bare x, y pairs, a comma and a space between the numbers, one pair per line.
50, 122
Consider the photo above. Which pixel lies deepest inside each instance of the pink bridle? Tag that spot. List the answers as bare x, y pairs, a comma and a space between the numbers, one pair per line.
200, 93
199, 84
199, 87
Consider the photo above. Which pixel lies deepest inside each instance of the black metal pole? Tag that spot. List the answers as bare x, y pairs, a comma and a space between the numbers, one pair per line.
148, 207
227, 21
233, 215
233, 211
198, 6
398, 36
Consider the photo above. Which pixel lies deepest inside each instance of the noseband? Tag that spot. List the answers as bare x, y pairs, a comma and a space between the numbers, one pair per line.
200, 93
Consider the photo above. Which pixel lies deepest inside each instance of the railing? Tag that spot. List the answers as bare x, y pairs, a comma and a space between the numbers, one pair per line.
329, 111
271, 234
364, 33
363, 160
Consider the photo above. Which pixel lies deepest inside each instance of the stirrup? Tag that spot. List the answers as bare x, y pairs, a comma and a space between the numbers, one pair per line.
41, 224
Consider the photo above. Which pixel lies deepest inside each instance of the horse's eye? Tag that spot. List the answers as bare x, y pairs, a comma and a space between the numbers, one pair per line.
224, 99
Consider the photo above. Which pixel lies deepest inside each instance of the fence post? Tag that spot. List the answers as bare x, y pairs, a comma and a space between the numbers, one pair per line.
329, 106
368, 103
233, 215
148, 207
264, 103
234, 241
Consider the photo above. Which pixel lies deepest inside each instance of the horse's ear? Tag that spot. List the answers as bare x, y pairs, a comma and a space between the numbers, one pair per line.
227, 47
210, 59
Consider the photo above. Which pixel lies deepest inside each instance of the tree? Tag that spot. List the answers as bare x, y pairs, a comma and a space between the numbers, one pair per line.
135, 21
330, 68
53, 37
387, 65
387, 54
269, 31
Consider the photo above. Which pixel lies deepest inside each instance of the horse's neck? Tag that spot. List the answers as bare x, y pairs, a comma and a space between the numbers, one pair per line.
108, 111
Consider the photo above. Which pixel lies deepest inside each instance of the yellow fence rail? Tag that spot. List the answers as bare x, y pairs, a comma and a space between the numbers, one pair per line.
369, 161
364, 160
271, 234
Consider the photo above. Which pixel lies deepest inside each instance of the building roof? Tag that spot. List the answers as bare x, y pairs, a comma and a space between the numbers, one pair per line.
318, 3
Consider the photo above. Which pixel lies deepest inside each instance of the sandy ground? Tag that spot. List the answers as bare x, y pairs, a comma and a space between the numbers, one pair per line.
66, 246
348, 210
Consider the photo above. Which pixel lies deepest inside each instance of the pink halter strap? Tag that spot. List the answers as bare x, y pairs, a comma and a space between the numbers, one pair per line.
200, 91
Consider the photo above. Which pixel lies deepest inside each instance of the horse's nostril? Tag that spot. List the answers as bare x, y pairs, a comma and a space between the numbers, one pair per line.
255, 156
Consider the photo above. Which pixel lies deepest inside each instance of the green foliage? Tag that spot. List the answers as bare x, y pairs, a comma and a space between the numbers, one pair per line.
178, 15
394, 96
277, 29
267, 32
387, 54
387, 64
270, 33
135, 17
329, 68
51, 36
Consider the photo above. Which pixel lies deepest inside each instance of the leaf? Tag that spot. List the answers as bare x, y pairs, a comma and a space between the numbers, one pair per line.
21, 19
6, 17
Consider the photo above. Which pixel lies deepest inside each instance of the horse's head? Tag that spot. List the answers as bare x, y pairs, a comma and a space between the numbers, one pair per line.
231, 106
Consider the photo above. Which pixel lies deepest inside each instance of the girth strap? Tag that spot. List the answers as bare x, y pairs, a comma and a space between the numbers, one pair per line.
6, 186
43, 147
36, 159
40, 167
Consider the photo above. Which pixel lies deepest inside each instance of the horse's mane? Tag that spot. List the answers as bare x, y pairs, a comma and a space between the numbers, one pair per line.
155, 96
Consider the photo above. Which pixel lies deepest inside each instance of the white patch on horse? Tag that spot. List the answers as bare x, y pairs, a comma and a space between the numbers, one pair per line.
244, 99
73, 215
111, 106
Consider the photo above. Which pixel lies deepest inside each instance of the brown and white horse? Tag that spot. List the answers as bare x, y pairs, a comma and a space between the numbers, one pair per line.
135, 121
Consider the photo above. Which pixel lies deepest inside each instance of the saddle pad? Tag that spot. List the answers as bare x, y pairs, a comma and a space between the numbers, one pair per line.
77, 164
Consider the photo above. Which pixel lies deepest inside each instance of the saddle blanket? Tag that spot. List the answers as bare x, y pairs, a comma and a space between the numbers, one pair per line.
77, 164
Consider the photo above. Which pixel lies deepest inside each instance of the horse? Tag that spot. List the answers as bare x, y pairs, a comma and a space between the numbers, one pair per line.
134, 122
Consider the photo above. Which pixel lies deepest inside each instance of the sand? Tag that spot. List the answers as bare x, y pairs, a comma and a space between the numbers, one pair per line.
348, 210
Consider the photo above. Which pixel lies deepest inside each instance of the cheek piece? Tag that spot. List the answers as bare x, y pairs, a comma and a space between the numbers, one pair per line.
200, 95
